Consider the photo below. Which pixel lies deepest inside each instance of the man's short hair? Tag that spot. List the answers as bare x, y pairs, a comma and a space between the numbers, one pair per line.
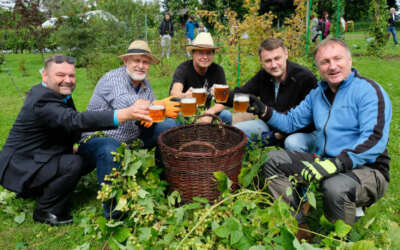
58, 58
271, 44
331, 40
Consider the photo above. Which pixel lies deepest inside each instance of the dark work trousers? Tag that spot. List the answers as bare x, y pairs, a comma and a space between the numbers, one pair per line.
54, 194
342, 192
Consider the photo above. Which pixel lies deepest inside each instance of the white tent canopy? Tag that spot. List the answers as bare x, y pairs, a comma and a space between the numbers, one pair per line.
106, 16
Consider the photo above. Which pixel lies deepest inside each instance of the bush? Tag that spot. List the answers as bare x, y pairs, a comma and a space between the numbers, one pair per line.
99, 64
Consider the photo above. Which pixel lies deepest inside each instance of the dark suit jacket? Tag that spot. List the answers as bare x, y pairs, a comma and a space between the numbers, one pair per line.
47, 126
391, 21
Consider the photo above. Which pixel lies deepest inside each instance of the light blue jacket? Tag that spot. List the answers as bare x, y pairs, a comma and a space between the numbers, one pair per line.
354, 128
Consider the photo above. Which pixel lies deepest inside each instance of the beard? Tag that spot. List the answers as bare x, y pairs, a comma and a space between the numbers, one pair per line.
134, 76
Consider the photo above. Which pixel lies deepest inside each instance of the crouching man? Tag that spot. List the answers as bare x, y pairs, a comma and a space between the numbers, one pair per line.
352, 117
38, 158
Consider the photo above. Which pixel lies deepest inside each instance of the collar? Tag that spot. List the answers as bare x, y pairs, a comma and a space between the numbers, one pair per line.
344, 84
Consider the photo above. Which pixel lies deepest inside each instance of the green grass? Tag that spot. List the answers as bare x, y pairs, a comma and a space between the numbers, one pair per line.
86, 208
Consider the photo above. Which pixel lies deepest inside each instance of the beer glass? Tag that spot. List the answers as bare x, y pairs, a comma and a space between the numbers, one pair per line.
157, 113
240, 102
188, 106
221, 92
200, 95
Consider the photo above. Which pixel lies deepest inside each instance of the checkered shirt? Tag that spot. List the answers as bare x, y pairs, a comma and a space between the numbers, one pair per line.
115, 91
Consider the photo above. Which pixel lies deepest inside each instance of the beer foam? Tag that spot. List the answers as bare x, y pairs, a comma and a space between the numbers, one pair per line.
221, 86
157, 107
188, 100
241, 98
199, 90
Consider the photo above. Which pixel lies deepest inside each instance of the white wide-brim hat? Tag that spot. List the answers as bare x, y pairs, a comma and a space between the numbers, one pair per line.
140, 47
203, 41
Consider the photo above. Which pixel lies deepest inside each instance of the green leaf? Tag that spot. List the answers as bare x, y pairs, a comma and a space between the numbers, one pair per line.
200, 199
114, 224
174, 198
326, 223
142, 193
342, 229
20, 245
144, 233
85, 246
179, 212
311, 199
289, 191
247, 176
122, 204
148, 206
20, 218
238, 206
259, 247
232, 228
224, 183
303, 246
132, 168
122, 234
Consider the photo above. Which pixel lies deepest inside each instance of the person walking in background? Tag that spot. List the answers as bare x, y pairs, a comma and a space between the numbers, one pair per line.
315, 28
325, 25
166, 31
190, 26
392, 28
201, 28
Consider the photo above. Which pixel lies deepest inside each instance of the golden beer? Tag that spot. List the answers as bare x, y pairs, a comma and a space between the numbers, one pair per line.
221, 92
200, 95
157, 113
188, 106
240, 102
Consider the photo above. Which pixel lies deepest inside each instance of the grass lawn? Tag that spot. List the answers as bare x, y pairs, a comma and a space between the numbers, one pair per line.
17, 230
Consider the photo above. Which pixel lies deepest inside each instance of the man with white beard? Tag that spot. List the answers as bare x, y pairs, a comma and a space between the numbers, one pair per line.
119, 88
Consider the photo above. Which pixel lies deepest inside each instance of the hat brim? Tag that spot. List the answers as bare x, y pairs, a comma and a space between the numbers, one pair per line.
153, 59
190, 48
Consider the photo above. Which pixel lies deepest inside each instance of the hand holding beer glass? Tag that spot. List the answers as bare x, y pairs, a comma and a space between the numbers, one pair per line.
240, 102
157, 112
200, 94
221, 92
188, 106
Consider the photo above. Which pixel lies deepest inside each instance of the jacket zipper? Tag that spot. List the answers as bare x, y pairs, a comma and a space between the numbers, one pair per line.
326, 122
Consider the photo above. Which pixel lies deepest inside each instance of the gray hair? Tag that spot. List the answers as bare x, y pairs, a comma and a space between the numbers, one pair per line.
331, 40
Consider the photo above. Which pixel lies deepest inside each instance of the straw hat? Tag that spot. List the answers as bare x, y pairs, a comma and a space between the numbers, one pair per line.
203, 41
140, 47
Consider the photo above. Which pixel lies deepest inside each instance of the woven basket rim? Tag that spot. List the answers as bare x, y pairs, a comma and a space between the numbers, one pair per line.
234, 148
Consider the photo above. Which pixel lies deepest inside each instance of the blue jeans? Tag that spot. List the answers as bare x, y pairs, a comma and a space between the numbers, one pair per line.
96, 152
392, 29
299, 142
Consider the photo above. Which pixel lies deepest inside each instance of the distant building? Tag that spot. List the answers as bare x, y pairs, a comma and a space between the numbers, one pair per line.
7, 4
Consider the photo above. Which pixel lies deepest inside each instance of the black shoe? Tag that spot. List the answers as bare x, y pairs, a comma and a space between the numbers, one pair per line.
52, 219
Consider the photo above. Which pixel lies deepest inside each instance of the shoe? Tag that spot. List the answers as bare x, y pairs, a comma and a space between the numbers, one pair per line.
50, 218
304, 233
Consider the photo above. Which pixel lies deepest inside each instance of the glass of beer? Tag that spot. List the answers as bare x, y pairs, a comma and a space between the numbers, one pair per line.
157, 113
188, 106
200, 95
221, 92
240, 102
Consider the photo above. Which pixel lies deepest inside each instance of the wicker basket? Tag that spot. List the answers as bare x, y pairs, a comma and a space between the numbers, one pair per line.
192, 153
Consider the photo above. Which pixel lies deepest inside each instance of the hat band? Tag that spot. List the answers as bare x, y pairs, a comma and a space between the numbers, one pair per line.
138, 51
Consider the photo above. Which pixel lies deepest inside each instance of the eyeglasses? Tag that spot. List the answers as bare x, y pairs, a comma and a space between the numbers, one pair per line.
60, 59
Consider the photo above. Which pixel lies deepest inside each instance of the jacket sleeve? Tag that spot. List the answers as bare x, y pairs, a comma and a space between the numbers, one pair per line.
375, 112
55, 113
160, 28
297, 118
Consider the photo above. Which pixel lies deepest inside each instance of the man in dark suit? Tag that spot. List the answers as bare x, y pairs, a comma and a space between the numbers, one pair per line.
38, 158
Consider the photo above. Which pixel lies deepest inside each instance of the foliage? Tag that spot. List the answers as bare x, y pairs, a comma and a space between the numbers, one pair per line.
379, 12
249, 32
100, 63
